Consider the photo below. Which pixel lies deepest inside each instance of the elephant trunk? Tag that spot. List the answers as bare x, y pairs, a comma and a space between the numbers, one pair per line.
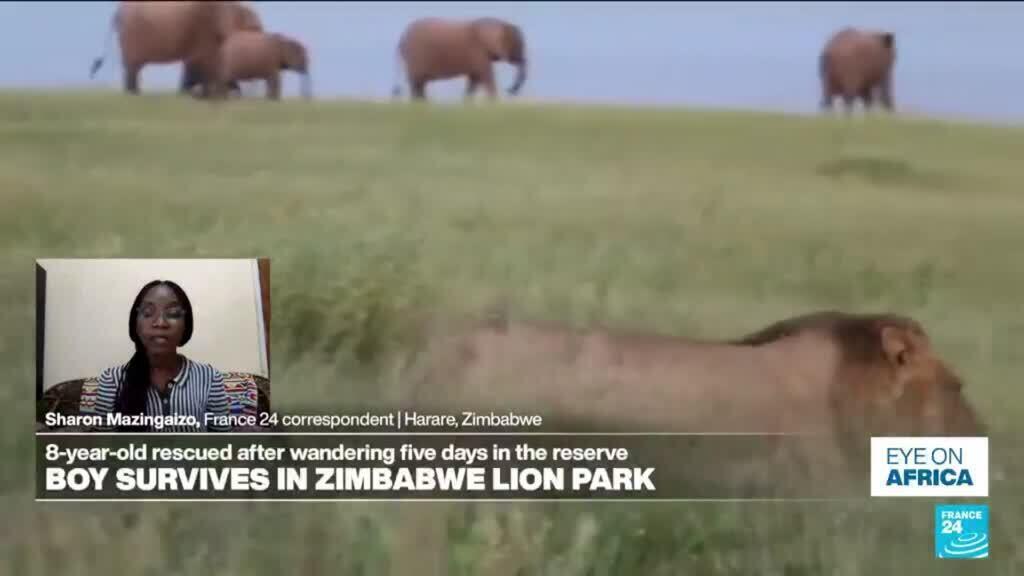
517, 84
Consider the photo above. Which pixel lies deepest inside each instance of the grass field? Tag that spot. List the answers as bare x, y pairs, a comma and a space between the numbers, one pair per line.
697, 223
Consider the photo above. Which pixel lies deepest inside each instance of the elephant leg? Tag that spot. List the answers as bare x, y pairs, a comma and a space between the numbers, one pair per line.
211, 77
492, 90
202, 73
205, 89
886, 94
418, 89
848, 102
274, 86
868, 96
827, 96
487, 79
131, 78
188, 78
471, 85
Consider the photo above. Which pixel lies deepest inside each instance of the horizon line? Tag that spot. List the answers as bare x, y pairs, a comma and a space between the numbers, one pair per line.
811, 113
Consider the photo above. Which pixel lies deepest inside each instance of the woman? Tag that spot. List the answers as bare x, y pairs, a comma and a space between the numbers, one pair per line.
158, 381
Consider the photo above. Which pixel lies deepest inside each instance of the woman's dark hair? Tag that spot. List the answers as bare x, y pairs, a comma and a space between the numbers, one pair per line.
132, 399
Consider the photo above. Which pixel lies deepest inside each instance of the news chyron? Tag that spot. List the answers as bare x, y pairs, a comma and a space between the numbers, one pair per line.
175, 405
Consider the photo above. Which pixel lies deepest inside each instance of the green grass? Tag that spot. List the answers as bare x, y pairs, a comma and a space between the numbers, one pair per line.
696, 223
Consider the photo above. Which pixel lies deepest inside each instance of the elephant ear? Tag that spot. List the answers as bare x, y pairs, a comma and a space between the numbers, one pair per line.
284, 49
514, 43
293, 54
491, 34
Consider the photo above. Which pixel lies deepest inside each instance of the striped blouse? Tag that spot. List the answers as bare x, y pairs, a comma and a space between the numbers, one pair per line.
197, 390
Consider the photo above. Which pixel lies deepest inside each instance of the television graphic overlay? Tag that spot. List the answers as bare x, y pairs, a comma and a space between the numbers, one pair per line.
961, 531
930, 467
98, 317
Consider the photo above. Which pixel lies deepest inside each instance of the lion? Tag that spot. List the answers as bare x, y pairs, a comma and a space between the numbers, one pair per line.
890, 380
831, 374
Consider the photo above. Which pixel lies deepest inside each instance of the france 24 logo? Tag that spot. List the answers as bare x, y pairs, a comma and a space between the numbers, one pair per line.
929, 467
961, 531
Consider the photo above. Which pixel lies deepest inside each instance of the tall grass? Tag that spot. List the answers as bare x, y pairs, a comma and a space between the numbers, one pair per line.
697, 223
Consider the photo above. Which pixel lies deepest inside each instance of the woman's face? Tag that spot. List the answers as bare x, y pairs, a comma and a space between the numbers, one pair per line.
160, 320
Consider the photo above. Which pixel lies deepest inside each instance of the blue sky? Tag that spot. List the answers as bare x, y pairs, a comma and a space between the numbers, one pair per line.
955, 59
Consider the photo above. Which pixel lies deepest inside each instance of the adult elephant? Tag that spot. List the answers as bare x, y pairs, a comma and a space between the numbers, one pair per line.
437, 49
244, 18
163, 32
249, 55
857, 64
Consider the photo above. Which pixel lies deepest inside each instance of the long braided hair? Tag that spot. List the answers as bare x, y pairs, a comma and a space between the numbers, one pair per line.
132, 398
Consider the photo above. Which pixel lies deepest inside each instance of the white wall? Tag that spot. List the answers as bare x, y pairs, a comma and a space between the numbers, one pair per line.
88, 302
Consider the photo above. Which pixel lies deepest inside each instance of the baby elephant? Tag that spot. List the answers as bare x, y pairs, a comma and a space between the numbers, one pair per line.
250, 55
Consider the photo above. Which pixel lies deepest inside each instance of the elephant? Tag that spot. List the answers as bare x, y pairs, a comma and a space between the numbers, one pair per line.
857, 64
245, 18
163, 32
436, 49
248, 55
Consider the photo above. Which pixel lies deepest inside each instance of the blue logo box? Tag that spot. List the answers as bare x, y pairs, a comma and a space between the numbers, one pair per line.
961, 531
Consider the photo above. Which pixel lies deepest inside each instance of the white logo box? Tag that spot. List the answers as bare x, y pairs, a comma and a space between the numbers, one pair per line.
928, 455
